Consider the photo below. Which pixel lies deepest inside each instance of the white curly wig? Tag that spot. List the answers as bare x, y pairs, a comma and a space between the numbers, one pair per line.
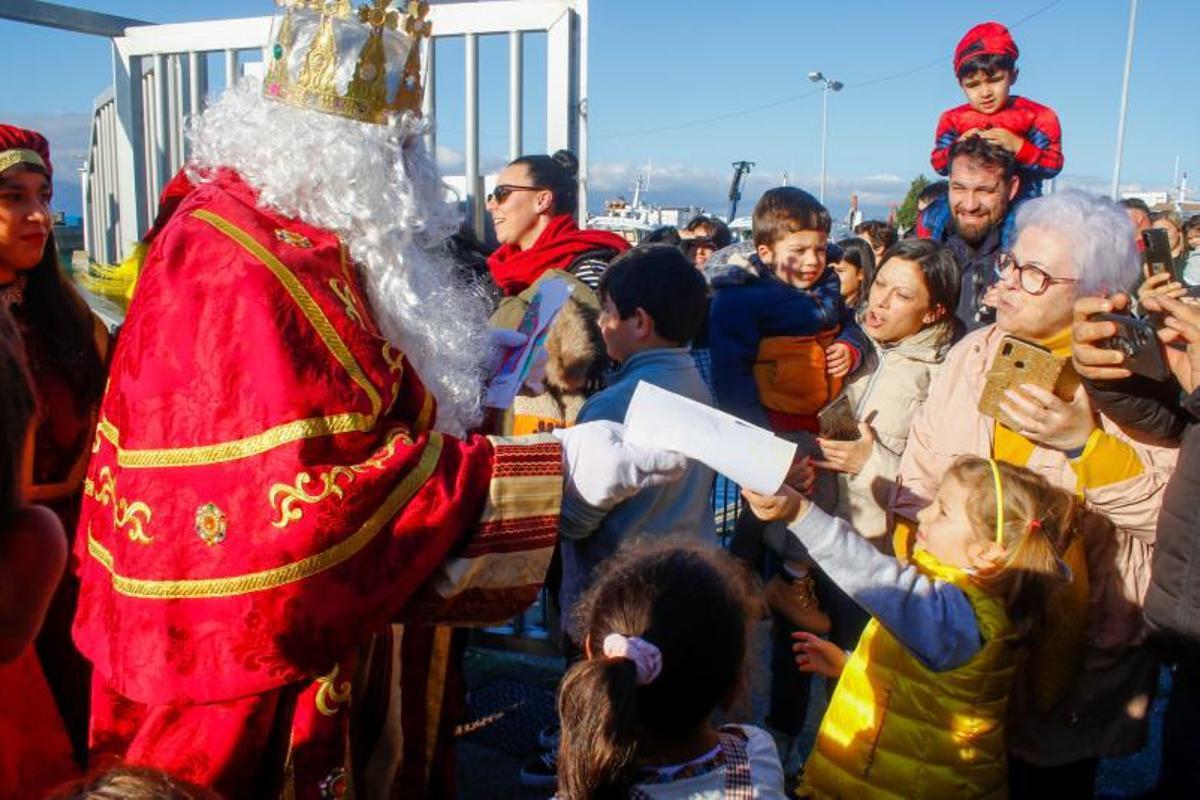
378, 189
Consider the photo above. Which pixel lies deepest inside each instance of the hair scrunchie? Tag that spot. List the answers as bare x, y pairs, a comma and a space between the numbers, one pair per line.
646, 658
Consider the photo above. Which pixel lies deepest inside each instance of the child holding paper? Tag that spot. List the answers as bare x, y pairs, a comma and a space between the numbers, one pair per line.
652, 304
920, 704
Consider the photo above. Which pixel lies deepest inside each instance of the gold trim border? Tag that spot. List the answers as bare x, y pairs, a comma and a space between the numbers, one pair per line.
19, 155
288, 573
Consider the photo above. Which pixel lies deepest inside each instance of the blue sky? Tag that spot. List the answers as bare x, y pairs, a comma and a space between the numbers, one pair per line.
677, 64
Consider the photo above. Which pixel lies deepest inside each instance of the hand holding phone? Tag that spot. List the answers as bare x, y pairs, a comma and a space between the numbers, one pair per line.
1138, 342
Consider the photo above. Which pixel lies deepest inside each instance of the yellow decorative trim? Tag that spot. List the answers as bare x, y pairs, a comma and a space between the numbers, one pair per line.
133, 515
328, 482
394, 358
435, 690
316, 317
201, 455
288, 573
347, 297
425, 418
330, 694
10, 158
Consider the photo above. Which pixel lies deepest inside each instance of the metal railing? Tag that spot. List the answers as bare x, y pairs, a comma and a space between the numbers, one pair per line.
161, 77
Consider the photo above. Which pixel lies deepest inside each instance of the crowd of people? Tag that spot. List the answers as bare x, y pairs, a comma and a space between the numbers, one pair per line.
243, 536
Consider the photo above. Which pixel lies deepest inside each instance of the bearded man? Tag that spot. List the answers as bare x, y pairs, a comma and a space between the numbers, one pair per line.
274, 480
975, 221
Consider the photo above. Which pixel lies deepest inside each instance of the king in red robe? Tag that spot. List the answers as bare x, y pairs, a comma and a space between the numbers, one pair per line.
269, 490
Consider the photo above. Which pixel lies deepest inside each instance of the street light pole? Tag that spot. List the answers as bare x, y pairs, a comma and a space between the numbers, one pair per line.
830, 86
1116, 181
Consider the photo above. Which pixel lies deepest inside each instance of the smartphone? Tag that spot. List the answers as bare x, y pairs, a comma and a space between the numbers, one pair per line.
1157, 252
837, 420
1020, 362
1138, 342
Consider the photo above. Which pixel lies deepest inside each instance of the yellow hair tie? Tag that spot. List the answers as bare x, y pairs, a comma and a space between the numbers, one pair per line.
999, 502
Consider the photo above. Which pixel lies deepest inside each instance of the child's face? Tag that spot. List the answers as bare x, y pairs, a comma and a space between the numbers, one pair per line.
987, 92
945, 531
797, 259
622, 337
850, 276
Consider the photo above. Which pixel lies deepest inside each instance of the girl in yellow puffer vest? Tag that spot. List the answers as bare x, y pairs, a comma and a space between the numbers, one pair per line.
919, 707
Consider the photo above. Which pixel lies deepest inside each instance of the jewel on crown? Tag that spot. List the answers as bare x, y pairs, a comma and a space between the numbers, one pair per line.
363, 64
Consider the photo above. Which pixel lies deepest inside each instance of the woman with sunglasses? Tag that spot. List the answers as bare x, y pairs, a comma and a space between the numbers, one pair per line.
1085, 694
533, 210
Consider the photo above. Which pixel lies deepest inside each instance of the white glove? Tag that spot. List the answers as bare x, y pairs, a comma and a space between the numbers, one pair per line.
600, 469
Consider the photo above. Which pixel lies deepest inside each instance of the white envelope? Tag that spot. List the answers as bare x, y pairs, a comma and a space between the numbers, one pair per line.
749, 456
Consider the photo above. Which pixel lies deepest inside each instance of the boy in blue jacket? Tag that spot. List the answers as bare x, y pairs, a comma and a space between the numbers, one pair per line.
782, 342
652, 304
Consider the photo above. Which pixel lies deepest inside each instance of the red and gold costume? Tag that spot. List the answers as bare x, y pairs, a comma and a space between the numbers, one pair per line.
265, 497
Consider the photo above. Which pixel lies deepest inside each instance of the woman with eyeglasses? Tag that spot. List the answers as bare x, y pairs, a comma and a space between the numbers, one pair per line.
533, 209
1088, 683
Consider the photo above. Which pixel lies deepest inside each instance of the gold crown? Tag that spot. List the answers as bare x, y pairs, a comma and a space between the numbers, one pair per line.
362, 64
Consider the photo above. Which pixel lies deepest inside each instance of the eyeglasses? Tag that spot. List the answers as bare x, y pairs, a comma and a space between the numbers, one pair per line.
503, 190
1033, 280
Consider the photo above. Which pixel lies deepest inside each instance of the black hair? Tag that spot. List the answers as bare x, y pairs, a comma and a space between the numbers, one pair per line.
880, 233
663, 234
860, 254
933, 191
60, 331
787, 209
659, 279
979, 149
557, 173
988, 64
943, 277
16, 411
688, 600
1135, 203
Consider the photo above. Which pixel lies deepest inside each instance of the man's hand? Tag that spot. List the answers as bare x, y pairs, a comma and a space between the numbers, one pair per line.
839, 357
601, 469
1162, 283
1005, 138
848, 457
1091, 361
1182, 325
814, 654
787, 505
1044, 418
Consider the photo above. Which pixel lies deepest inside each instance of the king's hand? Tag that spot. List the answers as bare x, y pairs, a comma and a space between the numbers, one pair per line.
600, 469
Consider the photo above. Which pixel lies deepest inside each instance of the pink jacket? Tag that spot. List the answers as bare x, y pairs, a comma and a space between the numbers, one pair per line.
950, 425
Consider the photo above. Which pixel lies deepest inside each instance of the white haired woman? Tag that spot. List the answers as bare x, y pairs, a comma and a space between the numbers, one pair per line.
1090, 700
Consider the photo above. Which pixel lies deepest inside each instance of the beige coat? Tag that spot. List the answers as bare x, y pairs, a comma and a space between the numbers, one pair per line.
1105, 711
886, 394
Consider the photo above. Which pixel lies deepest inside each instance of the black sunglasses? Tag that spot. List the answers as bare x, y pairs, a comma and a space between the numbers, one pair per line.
503, 190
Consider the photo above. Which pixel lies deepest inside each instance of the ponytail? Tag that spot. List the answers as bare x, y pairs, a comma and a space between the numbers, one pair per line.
597, 704
1037, 522
558, 173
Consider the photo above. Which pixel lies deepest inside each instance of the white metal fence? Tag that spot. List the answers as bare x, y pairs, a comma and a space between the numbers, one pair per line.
161, 77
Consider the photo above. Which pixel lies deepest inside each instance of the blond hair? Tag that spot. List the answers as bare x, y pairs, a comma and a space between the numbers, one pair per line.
1039, 522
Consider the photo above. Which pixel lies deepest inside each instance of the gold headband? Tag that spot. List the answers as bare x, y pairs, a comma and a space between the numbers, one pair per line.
10, 158
999, 502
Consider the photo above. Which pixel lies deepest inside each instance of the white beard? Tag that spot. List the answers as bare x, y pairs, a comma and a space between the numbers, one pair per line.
384, 199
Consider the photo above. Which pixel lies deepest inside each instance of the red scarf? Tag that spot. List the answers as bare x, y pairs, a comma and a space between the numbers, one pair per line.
562, 241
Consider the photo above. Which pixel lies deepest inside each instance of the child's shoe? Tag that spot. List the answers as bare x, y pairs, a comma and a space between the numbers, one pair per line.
795, 600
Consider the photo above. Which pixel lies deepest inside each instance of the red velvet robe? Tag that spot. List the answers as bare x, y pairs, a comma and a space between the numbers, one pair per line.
265, 497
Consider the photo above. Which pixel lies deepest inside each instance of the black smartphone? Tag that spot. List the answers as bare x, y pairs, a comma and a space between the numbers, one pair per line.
837, 420
1138, 341
1157, 253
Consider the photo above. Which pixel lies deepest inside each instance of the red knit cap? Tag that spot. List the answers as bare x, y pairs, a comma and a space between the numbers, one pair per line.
988, 38
14, 139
